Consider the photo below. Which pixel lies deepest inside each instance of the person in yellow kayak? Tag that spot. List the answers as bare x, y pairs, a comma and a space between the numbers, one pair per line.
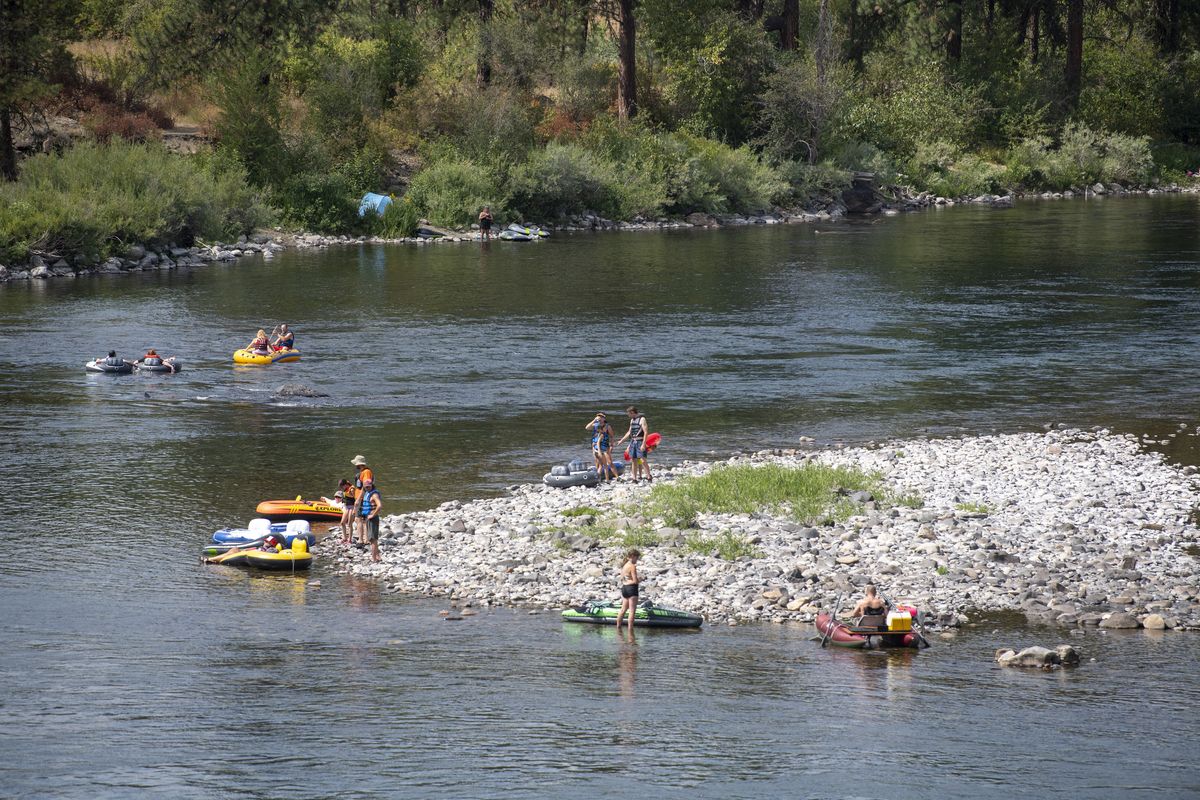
261, 346
286, 340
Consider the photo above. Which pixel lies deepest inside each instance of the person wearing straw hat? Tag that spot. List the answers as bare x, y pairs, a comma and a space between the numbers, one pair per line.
365, 474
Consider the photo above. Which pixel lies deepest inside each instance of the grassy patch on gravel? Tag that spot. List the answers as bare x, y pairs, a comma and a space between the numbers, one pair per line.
812, 493
972, 508
580, 511
726, 545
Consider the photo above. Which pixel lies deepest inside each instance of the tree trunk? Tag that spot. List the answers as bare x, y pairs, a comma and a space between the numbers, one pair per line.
626, 60
954, 35
585, 23
1074, 71
1035, 35
989, 18
483, 65
1023, 26
823, 45
8, 155
1166, 25
791, 24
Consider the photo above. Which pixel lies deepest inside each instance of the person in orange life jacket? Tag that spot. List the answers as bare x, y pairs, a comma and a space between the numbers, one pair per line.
369, 505
364, 474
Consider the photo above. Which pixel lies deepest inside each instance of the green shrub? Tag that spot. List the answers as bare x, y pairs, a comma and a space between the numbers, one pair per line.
798, 110
1081, 158
563, 179
1181, 112
905, 105
940, 168
1175, 160
97, 199
807, 182
399, 219
865, 157
717, 178
319, 201
451, 192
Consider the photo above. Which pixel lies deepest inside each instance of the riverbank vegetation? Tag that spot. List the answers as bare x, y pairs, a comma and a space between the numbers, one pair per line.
560, 108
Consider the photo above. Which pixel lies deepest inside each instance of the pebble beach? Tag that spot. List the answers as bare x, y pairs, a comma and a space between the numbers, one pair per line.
1067, 527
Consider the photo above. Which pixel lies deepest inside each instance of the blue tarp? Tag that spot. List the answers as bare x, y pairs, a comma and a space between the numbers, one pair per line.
373, 202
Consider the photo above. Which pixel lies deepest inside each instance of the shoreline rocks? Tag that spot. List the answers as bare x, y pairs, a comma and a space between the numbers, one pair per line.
140, 258
1066, 527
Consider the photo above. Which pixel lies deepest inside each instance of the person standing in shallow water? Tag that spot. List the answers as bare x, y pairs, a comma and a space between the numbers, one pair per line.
630, 583
370, 503
485, 222
602, 437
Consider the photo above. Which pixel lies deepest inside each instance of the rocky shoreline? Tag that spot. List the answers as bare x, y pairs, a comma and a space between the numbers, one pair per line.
1068, 527
139, 258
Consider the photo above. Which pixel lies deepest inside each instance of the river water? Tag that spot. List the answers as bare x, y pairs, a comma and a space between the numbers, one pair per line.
458, 369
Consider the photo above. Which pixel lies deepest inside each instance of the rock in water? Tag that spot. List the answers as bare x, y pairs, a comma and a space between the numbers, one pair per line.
1038, 657
1119, 620
1154, 622
298, 390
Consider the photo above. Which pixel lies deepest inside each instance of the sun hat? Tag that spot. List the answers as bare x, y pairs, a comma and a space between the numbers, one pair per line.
358, 461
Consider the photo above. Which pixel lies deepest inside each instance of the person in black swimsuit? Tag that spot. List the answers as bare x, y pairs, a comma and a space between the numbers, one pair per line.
872, 605
630, 581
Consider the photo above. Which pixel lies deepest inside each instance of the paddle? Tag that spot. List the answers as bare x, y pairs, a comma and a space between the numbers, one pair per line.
832, 621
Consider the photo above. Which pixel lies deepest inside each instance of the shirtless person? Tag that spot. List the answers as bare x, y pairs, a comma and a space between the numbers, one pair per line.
871, 605
630, 581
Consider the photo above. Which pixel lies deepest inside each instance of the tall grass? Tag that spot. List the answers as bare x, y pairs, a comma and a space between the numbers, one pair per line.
811, 493
96, 200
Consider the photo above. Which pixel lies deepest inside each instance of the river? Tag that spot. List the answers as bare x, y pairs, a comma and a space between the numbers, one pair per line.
458, 369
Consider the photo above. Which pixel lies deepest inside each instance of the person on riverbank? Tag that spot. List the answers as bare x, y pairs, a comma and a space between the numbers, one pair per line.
345, 497
485, 222
872, 605
261, 344
368, 508
286, 340
630, 583
364, 474
639, 429
602, 438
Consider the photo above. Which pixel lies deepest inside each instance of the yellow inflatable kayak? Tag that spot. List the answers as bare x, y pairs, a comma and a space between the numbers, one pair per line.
279, 560
244, 356
298, 509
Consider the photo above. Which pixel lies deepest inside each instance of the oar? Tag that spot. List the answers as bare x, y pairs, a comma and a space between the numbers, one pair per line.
832, 621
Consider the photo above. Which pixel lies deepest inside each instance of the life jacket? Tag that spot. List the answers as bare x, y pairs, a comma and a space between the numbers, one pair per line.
635, 428
366, 501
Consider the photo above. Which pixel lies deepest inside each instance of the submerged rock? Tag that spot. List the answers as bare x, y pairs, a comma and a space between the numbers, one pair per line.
1038, 657
298, 390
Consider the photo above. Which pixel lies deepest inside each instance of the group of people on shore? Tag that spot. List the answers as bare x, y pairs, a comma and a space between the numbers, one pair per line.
264, 345
360, 501
637, 451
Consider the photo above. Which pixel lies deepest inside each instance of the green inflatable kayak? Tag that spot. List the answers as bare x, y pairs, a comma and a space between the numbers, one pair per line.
604, 612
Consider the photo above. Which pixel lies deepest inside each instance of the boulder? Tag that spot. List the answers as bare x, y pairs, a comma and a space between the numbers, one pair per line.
1038, 657
41, 271
1119, 620
298, 390
581, 543
702, 220
135, 252
1154, 622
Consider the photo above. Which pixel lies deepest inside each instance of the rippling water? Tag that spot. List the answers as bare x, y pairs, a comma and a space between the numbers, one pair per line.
459, 369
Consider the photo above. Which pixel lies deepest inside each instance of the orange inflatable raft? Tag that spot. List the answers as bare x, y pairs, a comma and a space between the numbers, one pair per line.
315, 510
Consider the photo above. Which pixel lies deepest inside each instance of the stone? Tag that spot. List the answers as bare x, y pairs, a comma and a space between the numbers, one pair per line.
581, 543
41, 271
1067, 655
456, 526
1029, 657
135, 252
36, 261
1119, 620
298, 390
1154, 622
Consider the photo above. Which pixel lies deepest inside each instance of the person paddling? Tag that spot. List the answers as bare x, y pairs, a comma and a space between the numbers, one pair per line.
286, 340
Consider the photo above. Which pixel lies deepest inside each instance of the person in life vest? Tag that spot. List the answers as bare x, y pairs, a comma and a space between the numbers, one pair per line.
369, 505
272, 542
639, 429
261, 344
112, 360
286, 340
364, 474
602, 438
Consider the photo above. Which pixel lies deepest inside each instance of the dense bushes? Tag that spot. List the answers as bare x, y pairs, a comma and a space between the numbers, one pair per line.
451, 192
97, 199
1081, 157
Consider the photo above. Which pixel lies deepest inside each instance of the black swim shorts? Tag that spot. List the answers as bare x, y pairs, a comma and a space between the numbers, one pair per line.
629, 590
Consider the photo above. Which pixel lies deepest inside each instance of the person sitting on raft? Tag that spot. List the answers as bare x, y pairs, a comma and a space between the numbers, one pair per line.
286, 340
112, 360
261, 345
872, 605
